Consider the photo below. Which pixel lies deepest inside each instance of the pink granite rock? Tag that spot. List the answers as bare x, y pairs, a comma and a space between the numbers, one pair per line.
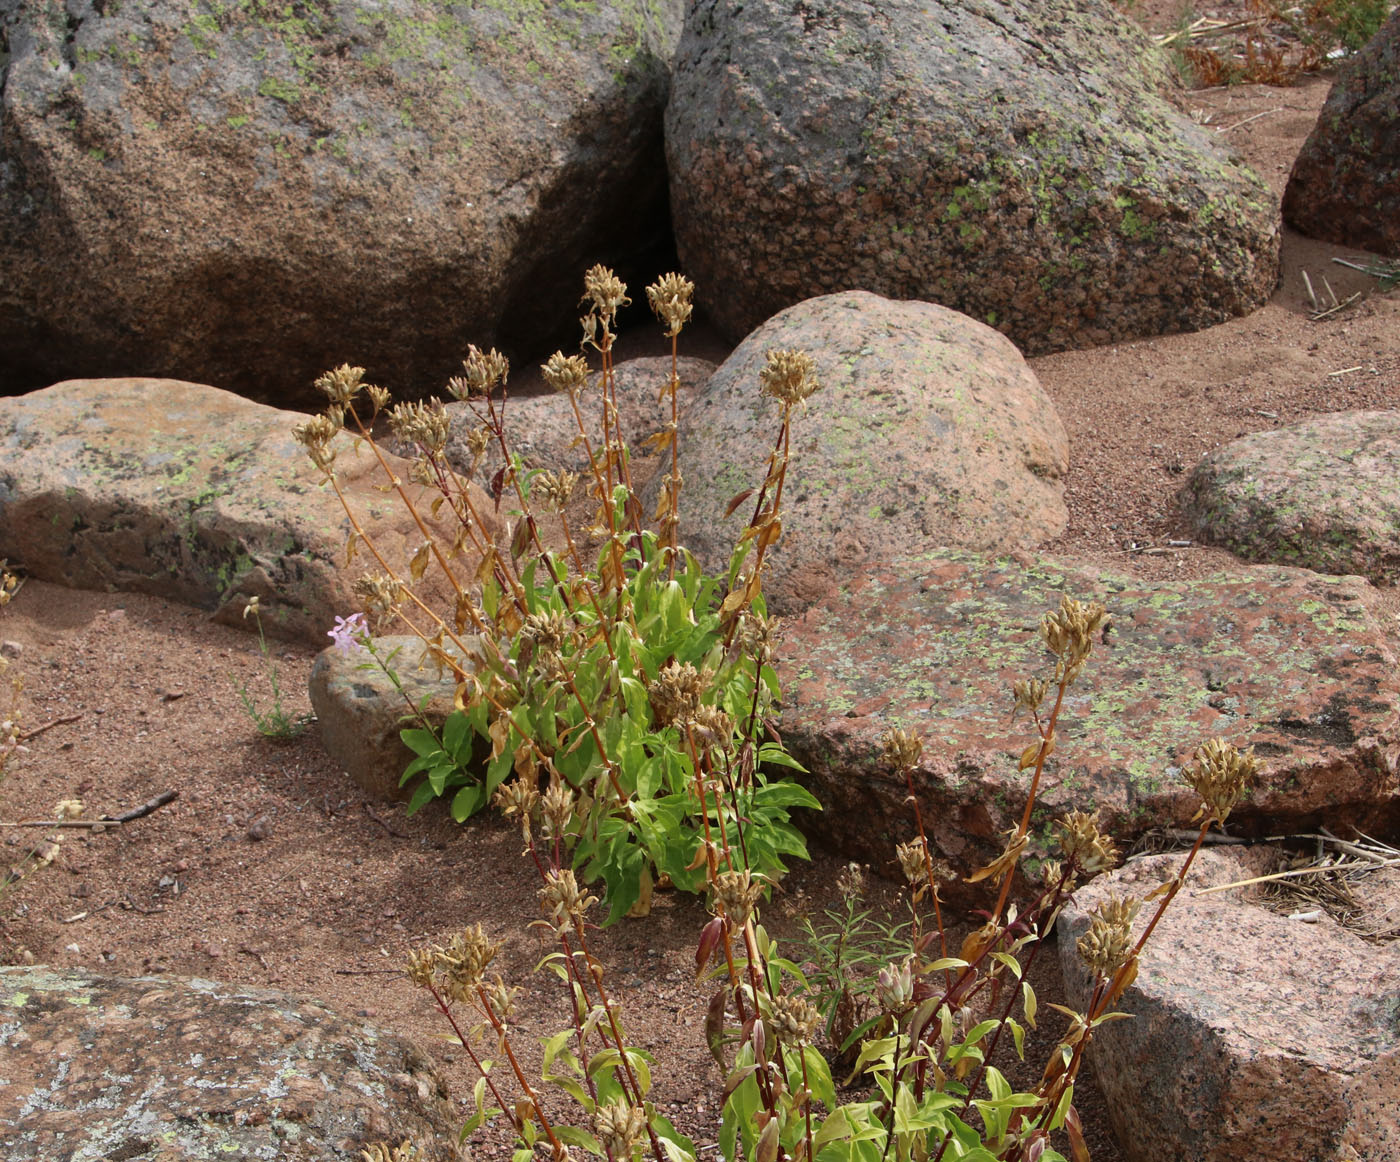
360, 712
1323, 493
190, 492
1254, 1038
1287, 661
164, 1068
543, 430
929, 430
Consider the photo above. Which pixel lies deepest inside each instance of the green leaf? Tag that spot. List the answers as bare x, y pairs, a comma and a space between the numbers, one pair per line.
420, 742
819, 1077
468, 801
784, 794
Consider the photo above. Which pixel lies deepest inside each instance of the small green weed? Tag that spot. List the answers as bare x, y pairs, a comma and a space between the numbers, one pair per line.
277, 723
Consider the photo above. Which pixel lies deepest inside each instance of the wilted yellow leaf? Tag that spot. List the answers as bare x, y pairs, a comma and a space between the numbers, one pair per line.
419, 565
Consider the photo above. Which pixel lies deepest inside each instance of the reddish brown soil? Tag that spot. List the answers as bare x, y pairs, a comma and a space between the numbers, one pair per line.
272, 869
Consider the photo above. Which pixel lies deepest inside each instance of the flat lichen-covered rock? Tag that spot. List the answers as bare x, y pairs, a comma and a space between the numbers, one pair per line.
1012, 159
246, 193
1283, 660
929, 430
1253, 1036
1323, 494
185, 491
1345, 184
99, 1068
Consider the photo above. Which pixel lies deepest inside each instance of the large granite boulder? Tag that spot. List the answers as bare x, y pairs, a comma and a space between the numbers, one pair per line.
1345, 184
1323, 494
1286, 661
246, 194
185, 491
929, 430
1013, 159
98, 1068
1254, 1037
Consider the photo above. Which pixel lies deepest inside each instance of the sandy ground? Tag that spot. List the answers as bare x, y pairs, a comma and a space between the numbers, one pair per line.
272, 869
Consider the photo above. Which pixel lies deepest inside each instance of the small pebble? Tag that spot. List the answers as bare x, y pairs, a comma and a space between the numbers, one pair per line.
11, 649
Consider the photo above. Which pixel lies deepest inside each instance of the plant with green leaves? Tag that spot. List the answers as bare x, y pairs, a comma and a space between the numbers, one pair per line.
929, 1061
606, 659
276, 723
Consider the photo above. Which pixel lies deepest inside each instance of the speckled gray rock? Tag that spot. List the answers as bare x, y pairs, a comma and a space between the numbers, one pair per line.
543, 430
168, 1069
247, 194
1345, 184
1324, 494
1286, 661
360, 713
929, 430
1253, 1037
185, 491
1012, 159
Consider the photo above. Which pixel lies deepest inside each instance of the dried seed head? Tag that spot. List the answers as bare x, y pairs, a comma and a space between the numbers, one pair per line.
1069, 635
755, 636
851, 882
711, 726
551, 632
555, 488
1029, 693
517, 797
380, 596
315, 435
477, 440
789, 376
481, 372
794, 1020
1220, 775
618, 1127
556, 809
1088, 851
902, 750
423, 424
675, 694
670, 299
405, 1151
1108, 944
343, 384
562, 900
462, 963
378, 397
500, 999
735, 894
606, 292
1052, 872
68, 809
421, 966
911, 862
568, 373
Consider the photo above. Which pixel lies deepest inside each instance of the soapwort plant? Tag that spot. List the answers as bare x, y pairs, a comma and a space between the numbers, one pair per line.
602, 659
